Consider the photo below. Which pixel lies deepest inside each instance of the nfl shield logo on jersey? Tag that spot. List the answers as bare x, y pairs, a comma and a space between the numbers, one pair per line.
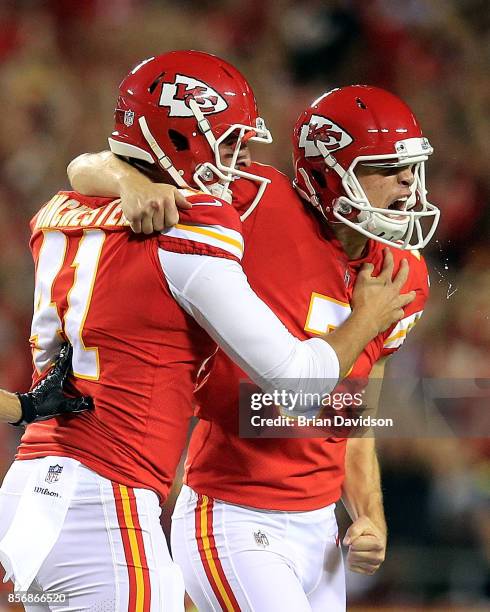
261, 539
128, 118
54, 473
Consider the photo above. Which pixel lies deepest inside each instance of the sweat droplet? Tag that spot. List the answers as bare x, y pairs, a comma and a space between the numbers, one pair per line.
449, 292
442, 277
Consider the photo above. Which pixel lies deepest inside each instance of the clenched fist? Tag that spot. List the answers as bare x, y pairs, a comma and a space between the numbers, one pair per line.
367, 546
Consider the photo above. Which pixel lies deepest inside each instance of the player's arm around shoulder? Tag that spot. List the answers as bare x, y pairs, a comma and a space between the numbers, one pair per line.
200, 259
211, 227
148, 206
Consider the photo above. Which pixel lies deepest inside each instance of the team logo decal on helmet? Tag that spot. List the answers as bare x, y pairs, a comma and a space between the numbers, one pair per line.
176, 97
325, 130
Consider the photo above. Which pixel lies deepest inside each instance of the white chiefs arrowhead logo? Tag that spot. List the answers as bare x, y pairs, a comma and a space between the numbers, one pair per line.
176, 97
323, 129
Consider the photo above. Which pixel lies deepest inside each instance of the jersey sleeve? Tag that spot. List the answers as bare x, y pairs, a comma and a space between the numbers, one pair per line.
418, 281
211, 227
215, 292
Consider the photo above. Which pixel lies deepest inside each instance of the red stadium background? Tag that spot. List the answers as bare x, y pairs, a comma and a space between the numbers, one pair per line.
60, 64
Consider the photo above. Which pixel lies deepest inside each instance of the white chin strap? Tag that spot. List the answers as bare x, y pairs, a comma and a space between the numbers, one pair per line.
164, 161
401, 229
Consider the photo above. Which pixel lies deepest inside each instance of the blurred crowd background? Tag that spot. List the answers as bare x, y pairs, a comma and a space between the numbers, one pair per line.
60, 64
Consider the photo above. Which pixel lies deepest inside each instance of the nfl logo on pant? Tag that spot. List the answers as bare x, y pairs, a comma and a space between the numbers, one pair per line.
54, 473
261, 539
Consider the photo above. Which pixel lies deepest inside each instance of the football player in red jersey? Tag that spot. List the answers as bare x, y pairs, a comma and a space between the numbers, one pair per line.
254, 527
79, 509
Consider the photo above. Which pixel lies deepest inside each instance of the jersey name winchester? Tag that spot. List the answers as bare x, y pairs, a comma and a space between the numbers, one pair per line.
63, 211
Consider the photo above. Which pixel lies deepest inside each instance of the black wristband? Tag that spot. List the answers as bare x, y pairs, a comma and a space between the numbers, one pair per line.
28, 410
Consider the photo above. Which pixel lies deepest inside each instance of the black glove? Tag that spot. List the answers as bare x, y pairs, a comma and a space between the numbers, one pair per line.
46, 399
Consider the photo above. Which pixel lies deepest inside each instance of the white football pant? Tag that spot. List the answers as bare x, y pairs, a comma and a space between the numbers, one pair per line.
237, 558
66, 530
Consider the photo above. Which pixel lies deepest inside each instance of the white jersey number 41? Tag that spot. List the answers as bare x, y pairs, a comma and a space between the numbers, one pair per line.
47, 327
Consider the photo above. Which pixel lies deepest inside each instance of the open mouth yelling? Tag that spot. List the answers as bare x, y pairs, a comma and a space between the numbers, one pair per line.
399, 204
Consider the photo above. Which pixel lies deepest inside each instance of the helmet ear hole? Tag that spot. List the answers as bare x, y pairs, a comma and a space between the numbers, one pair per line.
319, 178
154, 85
179, 141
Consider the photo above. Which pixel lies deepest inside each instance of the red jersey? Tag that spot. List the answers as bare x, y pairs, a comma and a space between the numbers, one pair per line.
135, 351
301, 271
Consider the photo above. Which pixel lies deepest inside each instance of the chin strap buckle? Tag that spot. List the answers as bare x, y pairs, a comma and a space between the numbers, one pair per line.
342, 206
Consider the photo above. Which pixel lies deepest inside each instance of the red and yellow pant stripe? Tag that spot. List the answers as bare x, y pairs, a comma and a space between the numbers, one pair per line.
209, 555
134, 549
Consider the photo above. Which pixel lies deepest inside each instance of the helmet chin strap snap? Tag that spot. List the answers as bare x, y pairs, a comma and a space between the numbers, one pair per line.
342, 206
205, 173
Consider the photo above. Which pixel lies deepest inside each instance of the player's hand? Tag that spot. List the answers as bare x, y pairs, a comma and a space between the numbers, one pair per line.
46, 399
367, 546
150, 207
379, 297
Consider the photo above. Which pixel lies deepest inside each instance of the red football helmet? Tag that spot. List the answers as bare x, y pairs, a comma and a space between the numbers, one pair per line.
177, 108
364, 125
